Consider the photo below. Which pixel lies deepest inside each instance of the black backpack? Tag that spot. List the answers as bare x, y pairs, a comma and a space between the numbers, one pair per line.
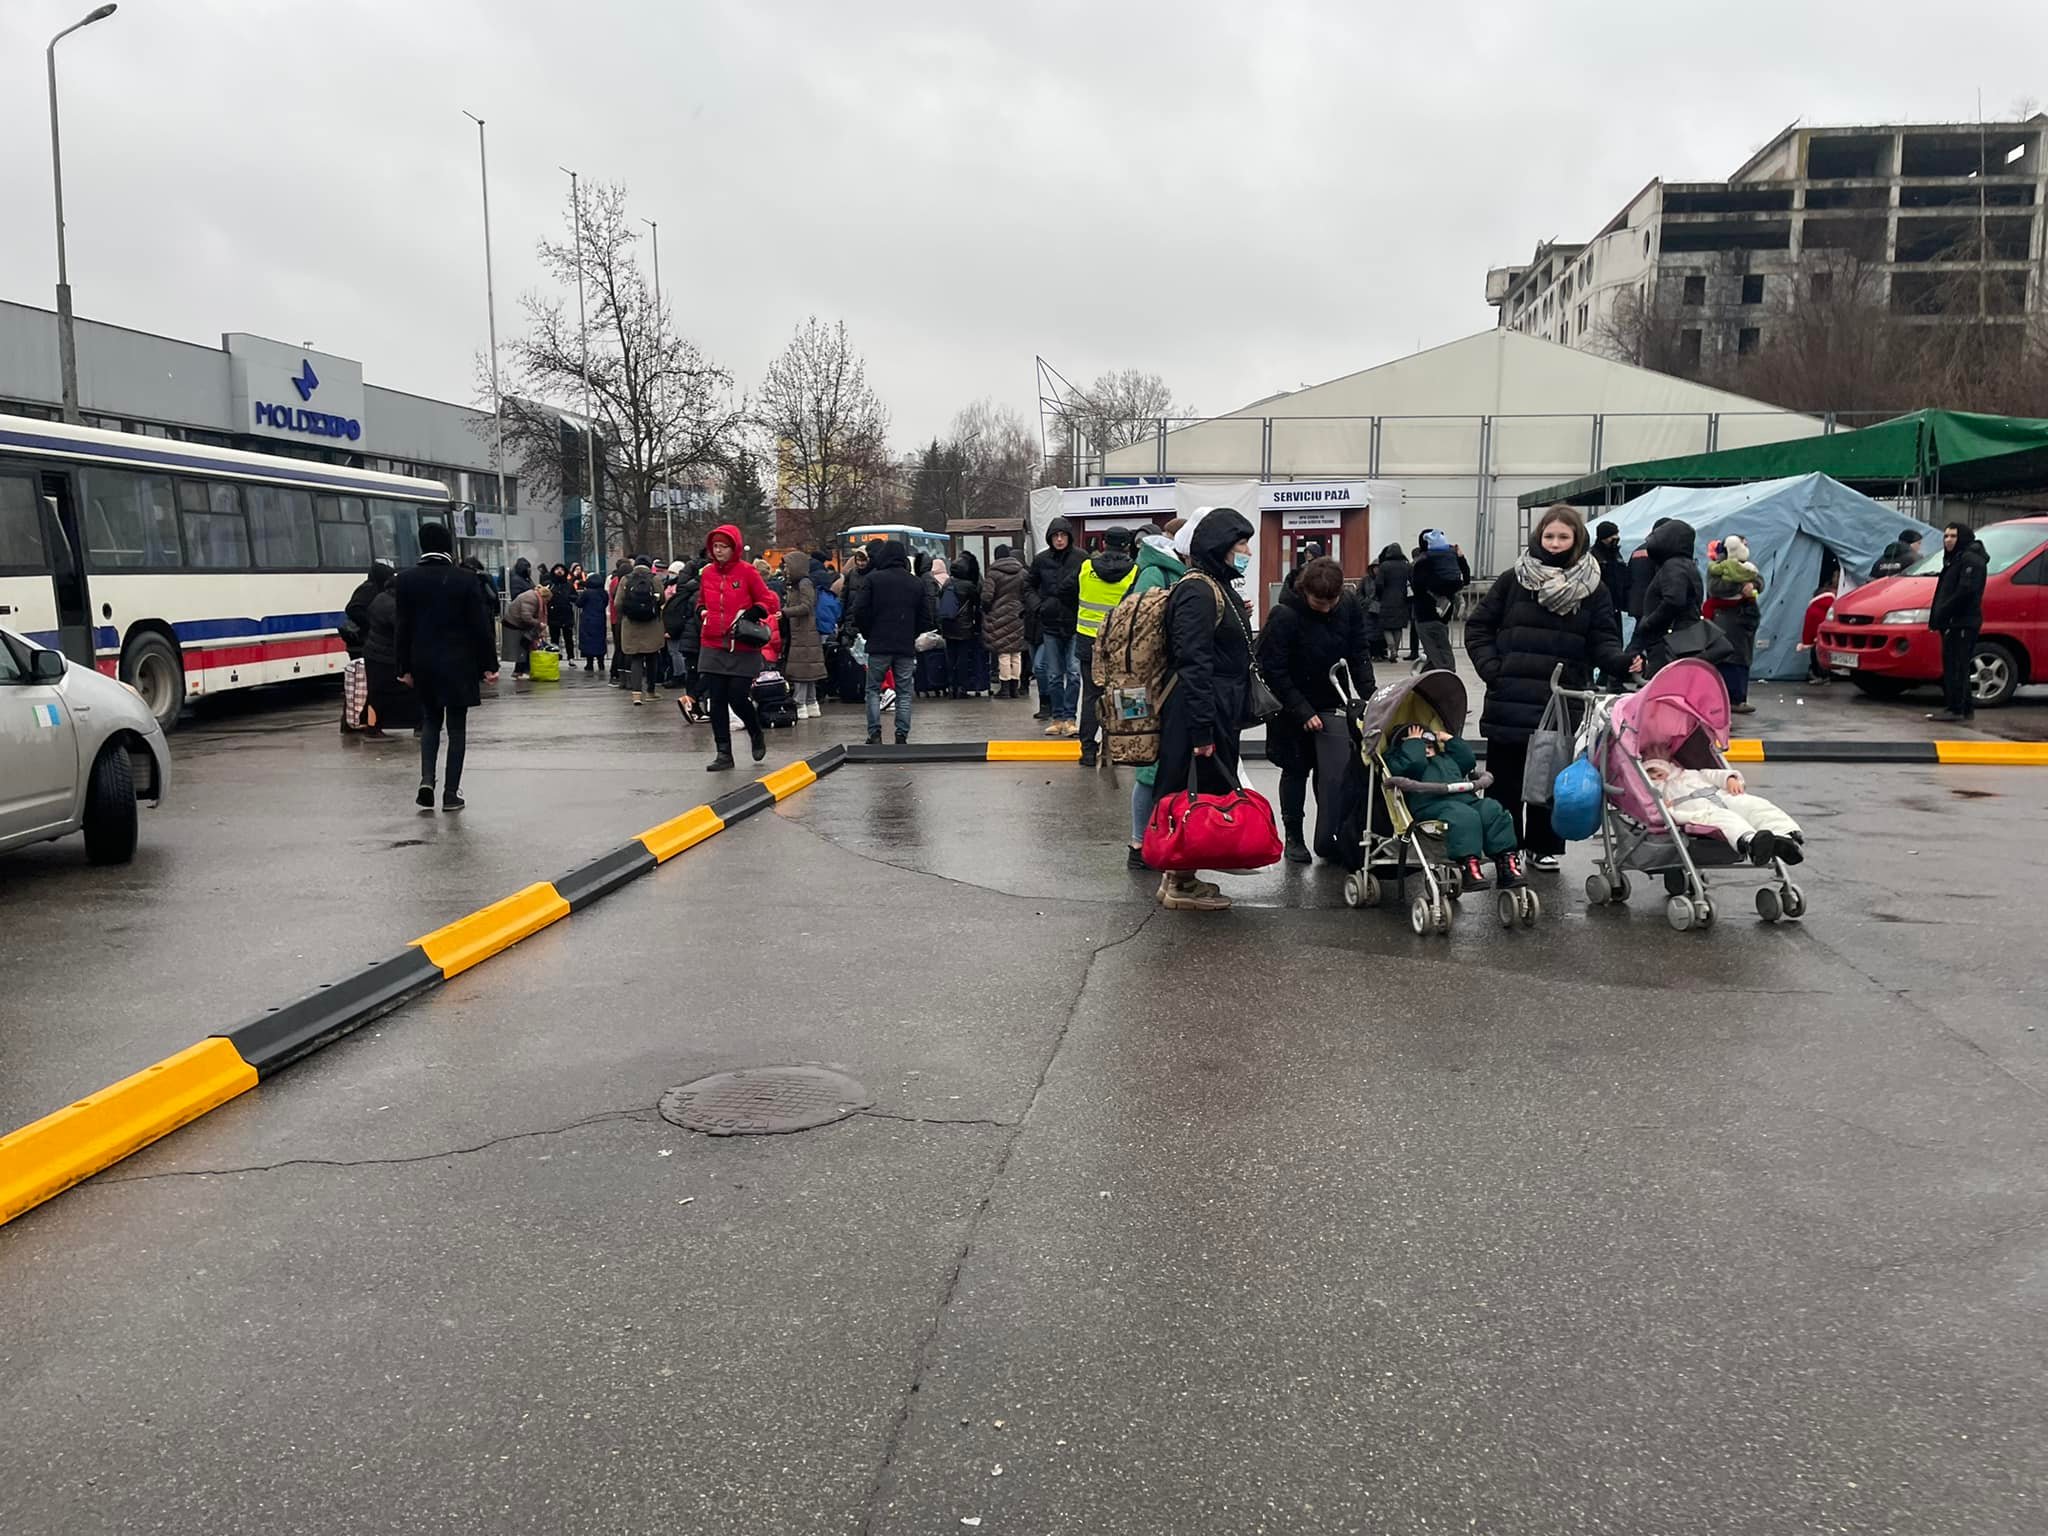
637, 602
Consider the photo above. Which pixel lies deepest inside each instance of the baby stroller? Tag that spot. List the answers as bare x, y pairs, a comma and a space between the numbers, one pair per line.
1390, 838
774, 698
1682, 716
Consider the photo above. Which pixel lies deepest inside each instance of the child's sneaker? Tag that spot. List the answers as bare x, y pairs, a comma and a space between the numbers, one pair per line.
1474, 873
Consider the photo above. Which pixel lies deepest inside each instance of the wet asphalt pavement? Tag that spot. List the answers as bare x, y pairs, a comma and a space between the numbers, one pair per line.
1285, 1220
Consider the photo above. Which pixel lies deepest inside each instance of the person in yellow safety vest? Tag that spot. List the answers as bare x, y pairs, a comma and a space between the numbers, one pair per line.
1104, 578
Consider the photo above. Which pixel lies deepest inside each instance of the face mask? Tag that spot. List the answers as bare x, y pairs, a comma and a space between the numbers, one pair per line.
1241, 563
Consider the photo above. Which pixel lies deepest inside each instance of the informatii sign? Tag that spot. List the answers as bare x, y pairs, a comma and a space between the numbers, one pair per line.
1141, 503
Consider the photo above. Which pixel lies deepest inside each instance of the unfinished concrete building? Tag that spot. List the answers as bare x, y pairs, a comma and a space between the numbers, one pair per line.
1930, 221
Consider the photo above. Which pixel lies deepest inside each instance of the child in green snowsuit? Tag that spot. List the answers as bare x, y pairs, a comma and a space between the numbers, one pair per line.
1472, 826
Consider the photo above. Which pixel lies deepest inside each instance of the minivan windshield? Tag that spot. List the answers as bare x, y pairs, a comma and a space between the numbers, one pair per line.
2007, 544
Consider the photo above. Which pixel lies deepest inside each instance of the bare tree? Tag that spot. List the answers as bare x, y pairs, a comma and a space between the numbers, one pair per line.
661, 407
1120, 408
999, 458
828, 427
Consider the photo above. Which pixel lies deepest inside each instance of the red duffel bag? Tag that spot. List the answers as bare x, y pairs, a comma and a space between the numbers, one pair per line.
1191, 831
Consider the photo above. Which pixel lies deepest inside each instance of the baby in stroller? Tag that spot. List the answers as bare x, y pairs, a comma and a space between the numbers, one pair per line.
1472, 826
1718, 798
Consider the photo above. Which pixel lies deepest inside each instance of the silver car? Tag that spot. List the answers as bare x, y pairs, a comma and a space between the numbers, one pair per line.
77, 752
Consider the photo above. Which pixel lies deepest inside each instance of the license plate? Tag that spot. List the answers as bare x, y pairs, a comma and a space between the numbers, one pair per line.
1848, 661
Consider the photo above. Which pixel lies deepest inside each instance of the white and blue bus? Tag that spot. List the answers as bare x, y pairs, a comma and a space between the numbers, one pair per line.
187, 571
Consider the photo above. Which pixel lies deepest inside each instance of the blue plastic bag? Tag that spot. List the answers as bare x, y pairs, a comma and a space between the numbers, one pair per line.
1575, 801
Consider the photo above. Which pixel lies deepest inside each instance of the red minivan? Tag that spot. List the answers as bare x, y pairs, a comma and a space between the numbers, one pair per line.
1878, 636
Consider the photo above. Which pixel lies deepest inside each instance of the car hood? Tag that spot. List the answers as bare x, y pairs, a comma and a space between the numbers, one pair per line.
1874, 599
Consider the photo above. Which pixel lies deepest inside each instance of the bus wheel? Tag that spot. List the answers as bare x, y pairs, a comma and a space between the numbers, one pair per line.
151, 667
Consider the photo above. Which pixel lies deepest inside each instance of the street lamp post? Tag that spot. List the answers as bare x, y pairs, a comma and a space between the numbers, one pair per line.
67, 343
491, 312
583, 328
668, 493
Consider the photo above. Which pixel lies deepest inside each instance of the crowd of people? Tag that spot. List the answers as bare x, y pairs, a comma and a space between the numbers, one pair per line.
739, 640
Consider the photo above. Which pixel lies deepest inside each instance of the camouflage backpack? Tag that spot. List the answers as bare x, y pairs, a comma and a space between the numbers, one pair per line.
1130, 669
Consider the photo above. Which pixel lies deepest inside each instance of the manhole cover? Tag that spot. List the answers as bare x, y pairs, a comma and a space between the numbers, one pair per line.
764, 1101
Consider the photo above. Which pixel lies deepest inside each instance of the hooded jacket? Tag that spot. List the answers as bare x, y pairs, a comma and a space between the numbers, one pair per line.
1514, 642
1959, 589
592, 636
1050, 584
357, 613
963, 580
1156, 568
804, 661
1002, 605
1207, 650
522, 576
725, 592
1675, 589
1391, 582
893, 606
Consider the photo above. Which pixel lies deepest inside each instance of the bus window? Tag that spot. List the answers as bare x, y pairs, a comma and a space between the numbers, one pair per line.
281, 528
216, 533
344, 532
21, 526
394, 532
130, 520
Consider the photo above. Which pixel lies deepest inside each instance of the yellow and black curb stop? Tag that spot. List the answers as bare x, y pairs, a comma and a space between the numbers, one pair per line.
47, 1157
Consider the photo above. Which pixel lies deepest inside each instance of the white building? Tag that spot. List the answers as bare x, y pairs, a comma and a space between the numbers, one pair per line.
1463, 430
1908, 208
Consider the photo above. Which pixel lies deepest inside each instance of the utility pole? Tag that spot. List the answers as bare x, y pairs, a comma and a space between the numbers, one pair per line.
67, 341
491, 312
654, 391
596, 521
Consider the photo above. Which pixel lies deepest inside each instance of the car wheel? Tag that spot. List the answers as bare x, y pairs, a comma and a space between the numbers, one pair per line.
110, 814
1994, 673
152, 668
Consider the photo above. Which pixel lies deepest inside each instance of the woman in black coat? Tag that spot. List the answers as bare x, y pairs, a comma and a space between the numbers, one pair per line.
1672, 599
1315, 625
1209, 663
1552, 608
1391, 581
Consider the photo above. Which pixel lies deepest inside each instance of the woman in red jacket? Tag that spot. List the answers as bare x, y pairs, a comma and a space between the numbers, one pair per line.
730, 590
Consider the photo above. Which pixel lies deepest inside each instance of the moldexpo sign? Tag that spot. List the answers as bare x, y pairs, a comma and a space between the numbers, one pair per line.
294, 393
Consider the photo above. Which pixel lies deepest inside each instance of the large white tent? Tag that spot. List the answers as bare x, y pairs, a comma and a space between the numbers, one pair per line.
1464, 429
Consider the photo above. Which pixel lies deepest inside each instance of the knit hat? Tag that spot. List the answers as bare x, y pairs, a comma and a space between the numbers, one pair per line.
1736, 547
1183, 542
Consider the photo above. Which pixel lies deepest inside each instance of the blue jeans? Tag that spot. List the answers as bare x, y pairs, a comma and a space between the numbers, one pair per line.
1059, 676
906, 692
1143, 798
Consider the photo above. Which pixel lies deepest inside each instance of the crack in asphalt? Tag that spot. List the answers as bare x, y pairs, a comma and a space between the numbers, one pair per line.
640, 1112
883, 1114
893, 1442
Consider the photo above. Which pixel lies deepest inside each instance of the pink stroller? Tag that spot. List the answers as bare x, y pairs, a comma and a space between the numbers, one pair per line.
1682, 716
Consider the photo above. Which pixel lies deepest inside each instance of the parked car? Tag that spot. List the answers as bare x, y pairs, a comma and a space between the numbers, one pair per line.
1878, 635
78, 750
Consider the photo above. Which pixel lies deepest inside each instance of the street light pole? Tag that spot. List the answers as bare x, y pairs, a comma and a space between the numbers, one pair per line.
67, 342
491, 311
583, 327
668, 492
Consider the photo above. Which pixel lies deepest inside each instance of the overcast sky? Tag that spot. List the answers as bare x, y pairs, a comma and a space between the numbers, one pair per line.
1243, 197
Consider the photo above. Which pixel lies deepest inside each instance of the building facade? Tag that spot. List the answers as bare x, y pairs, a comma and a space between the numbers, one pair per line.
266, 396
1929, 221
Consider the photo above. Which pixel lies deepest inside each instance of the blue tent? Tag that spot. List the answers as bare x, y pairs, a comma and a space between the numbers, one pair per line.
1786, 524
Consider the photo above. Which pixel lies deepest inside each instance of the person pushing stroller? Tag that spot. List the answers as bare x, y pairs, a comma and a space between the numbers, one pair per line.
1472, 826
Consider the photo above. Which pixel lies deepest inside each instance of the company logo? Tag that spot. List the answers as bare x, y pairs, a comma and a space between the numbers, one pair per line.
285, 418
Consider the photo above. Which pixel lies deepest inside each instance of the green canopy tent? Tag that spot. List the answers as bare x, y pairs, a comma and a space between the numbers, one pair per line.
1922, 455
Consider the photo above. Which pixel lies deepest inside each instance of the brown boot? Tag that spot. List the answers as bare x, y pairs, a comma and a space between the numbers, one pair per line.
1184, 893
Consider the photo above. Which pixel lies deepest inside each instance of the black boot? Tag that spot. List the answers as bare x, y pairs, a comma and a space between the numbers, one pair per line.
760, 741
1297, 850
1505, 875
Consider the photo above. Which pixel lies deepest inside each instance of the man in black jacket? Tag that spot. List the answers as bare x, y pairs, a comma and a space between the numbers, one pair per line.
892, 608
1898, 555
444, 646
1957, 615
1614, 577
1671, 599
1048, 596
